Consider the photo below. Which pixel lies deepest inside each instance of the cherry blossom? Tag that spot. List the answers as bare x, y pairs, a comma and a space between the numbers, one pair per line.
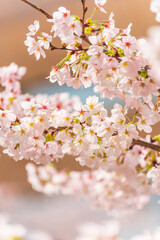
45, 40
100, 3
65, 26
35, 47
33, 28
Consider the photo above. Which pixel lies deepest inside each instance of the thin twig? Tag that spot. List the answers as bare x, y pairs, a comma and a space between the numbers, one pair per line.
53, 129
146, 144
38, 9
84, 37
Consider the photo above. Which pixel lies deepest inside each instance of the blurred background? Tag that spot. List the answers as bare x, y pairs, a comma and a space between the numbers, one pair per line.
15, 17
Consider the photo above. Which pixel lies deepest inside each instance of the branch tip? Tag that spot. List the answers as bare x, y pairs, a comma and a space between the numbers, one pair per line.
38, 9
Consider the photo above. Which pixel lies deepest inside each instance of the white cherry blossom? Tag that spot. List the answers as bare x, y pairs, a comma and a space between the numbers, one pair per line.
100, 3
33, 28
45, 40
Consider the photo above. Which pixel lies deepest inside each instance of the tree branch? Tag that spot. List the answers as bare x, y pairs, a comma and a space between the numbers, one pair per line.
83, 17
134, 142
84, 37
67, 49
38, 9
146, 144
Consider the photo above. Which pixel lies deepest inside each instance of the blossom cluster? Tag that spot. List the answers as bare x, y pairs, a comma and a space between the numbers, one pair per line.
65, 26
9, 80
112, 62
45, 128
44, 133
120, 191
14, 231
35, 46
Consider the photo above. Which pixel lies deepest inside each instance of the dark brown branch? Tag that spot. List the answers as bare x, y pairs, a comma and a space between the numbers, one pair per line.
83, 17
38, 9
134, 142
64, 128
84, 37
67, 49
53, 129
146, 144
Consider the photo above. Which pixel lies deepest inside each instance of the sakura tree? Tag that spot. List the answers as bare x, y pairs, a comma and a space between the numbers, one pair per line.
123, 169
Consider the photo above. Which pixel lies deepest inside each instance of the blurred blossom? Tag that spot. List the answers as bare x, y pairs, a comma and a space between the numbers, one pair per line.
12, 231
155, 7
103, 231
150, 46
